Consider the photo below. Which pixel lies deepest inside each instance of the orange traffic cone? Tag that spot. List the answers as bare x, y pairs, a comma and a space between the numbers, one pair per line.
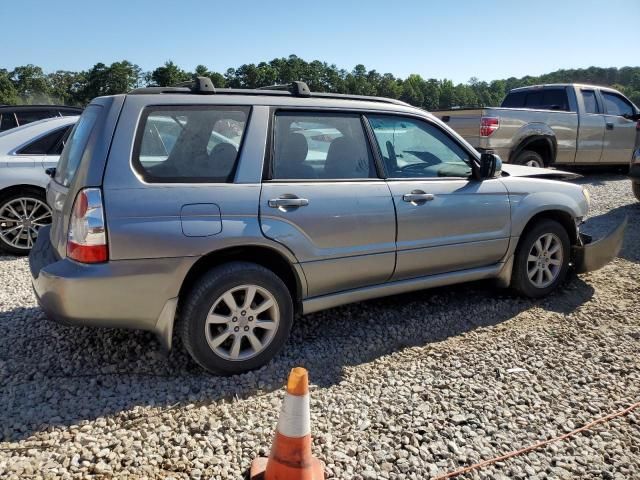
291, 457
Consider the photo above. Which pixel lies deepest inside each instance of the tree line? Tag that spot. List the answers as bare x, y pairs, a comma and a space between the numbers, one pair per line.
29, 84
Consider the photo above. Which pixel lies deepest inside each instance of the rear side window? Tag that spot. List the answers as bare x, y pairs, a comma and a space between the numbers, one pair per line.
555, 99
49, 144
7, 121
311, 146
189, 144
616, 105
75, 145
29, 116
590, 102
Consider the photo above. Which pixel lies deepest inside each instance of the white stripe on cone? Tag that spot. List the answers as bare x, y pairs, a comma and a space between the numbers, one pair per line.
295, 418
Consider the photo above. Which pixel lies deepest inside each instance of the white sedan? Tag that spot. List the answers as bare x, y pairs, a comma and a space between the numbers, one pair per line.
25, 153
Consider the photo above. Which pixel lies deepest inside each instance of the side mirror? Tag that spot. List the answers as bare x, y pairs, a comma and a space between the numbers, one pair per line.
490, 166
634, 116
51, 171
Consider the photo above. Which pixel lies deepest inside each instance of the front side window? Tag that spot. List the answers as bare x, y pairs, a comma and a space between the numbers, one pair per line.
412, 148
310, 146
49, 144
616, 105
590, 102
78, 139
190, 144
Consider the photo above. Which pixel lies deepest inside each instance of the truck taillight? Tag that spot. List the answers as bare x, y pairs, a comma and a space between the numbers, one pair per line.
87, 237
488, 125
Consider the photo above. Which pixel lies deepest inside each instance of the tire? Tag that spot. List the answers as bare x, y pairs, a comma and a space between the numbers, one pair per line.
636, 189
15, 203
522, 267
530, 159
206, 298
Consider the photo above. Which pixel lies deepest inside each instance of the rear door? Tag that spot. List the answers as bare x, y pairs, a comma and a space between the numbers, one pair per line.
591, 127
446, 220
620, 132
323, 199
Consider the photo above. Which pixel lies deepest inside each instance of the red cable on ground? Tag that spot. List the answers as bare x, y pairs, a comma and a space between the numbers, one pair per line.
535, 446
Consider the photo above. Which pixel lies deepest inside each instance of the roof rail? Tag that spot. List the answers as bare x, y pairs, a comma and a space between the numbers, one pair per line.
203, 85
199, 85
297, 88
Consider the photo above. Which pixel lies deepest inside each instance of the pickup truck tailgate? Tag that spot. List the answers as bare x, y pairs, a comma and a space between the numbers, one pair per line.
465, 121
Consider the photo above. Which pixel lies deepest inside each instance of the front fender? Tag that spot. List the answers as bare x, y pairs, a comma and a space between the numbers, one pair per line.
532, 196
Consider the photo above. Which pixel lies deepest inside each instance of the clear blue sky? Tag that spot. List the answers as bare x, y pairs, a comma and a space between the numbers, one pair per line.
455, 39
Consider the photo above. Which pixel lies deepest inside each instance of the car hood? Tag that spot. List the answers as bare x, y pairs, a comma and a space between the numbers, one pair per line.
533, 172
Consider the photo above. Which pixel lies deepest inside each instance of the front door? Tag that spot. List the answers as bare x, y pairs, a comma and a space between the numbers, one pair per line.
325, 201
620, 132
446, 220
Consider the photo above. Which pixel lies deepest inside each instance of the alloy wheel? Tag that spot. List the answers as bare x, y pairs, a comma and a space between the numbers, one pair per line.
544, 261
20, 220
242, 322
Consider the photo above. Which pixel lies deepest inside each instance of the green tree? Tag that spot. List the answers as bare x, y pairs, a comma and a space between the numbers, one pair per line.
8, 92
168, 75
31, 84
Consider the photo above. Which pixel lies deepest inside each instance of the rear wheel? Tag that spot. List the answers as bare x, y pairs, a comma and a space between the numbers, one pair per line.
541, 259
529, 158
236, 318
636, 189
21, 216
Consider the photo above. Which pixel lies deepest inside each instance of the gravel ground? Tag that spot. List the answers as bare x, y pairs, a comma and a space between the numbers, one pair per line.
404, 387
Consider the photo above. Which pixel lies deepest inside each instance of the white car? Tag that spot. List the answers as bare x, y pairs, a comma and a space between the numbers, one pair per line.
25, 153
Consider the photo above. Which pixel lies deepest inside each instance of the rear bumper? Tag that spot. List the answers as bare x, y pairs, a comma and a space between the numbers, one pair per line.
594, 255
138, 294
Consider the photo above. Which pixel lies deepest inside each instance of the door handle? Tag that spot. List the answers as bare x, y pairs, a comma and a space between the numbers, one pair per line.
288, 202
609, 126
418, 197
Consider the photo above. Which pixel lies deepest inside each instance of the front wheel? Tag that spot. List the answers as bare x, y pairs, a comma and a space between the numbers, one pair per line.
21, 216
236, 318
541, 259
636, 189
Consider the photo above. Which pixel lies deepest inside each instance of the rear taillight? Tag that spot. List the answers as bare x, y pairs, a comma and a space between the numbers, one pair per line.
488, 125
638, 125
87, 237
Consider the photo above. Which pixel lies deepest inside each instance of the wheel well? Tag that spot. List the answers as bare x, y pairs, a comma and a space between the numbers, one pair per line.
265, 256
543, 146
13, 189
563, 218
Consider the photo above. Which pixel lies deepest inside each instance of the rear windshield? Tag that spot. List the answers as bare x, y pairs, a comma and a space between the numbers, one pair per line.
542, 99
189, 144
74, 148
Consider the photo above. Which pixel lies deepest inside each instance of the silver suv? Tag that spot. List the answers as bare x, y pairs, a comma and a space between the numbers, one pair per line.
221, 214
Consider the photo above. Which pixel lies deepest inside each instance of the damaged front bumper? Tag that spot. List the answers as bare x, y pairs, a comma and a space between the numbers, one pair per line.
589, 255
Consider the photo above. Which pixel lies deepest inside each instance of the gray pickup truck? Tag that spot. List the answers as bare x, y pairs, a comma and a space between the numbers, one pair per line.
553, 124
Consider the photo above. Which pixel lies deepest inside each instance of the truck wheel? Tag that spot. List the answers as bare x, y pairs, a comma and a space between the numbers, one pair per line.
530, 159
236, 318
21, 216
541, 259
636, 189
